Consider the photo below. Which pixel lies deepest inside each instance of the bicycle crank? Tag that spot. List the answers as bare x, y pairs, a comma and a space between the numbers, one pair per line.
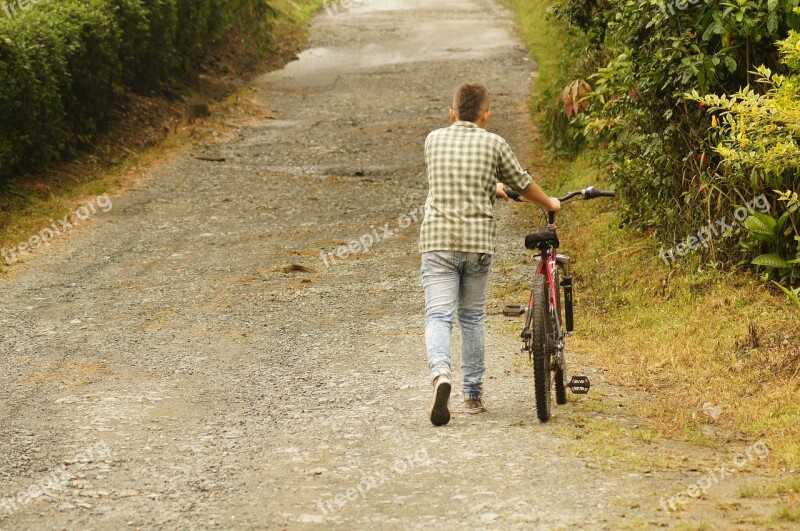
579, 385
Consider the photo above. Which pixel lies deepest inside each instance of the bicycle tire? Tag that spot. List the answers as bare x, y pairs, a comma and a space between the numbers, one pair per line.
560, 373
542, 376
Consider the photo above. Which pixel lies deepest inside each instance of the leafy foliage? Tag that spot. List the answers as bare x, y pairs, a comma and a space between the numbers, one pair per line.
760, 132
674, 167
63, 64
759, 138
778, 241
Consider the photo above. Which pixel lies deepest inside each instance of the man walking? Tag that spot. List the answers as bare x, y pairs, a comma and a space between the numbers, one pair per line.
467, 167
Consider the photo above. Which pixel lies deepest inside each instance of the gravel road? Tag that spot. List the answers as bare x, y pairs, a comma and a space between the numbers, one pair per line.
208, 355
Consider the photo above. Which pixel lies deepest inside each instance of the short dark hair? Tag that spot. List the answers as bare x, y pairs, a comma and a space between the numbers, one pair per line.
470, 99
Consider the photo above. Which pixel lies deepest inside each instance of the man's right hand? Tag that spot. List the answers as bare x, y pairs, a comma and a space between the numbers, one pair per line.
555, 205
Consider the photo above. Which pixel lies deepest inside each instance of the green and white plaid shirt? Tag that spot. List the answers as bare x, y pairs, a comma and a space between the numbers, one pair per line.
465, 162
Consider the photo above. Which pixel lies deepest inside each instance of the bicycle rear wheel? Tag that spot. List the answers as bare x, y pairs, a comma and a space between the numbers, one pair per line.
542, 377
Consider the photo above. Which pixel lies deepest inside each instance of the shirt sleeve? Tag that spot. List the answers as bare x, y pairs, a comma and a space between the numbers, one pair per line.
509, 170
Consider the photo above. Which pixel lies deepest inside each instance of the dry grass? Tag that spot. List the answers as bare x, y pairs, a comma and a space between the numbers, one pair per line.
781, 488
615, 446
788, 492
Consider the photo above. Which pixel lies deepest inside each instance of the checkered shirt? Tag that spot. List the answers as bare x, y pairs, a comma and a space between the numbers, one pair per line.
465, 162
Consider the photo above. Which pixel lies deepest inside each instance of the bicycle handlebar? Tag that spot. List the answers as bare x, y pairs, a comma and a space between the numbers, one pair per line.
590, 192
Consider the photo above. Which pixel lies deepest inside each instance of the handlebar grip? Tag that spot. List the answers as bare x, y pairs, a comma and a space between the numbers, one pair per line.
591, 192
514, 196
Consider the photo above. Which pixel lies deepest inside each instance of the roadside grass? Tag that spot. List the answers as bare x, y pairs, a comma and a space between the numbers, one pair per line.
788, 514
787, 491
28, 206
778, 488
679, 337
296, 11
613, 445
30, 203
545, 39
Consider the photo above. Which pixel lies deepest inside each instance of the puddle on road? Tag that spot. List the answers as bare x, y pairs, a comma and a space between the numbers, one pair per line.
443, 37
371, 6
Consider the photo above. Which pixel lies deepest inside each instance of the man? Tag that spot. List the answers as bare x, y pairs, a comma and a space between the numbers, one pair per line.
467, 167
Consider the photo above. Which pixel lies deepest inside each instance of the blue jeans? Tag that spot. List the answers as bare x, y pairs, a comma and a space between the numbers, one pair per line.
456, 282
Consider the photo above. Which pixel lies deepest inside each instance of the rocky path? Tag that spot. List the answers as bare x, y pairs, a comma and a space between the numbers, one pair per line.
240, 344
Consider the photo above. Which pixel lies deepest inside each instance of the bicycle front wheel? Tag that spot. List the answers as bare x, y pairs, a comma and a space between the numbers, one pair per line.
542, 377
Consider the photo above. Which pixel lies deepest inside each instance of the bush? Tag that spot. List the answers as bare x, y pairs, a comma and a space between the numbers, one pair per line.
63, 64
658, 144
759, 140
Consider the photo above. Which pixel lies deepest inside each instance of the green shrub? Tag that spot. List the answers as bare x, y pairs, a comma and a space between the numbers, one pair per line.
145, 26
34, 77
658, 144
63, 64
759, 141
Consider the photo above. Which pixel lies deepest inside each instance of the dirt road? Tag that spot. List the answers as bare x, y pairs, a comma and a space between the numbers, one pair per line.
209, 355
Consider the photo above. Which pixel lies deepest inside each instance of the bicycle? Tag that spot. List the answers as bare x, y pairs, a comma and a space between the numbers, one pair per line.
544, 332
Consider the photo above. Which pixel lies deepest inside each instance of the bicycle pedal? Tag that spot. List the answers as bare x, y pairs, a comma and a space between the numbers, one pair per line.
579, 385
513, 310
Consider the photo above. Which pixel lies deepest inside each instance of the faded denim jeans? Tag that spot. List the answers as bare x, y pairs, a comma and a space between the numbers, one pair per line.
455, 285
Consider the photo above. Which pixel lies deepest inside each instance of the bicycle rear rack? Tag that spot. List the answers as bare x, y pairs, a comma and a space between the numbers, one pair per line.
579, 385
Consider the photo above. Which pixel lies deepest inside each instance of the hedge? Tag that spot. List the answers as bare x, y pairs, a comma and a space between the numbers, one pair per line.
64, 63
642, 58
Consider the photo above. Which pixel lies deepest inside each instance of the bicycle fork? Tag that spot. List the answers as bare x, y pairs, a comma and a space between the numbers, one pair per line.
566, 282
562, 261
578, 384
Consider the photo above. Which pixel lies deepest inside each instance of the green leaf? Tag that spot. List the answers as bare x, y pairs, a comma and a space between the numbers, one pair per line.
772, 22
760, 223
770, 260
782, 222
710, 30
793, 294
766, 238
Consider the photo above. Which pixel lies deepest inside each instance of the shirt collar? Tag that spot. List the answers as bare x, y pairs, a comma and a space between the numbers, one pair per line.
464, 123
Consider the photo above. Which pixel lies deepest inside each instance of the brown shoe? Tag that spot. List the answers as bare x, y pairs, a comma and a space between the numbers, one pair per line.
474, 406
440, 411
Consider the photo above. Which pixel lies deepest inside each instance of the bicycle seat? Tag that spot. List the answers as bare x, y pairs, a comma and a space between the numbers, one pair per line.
541, 238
